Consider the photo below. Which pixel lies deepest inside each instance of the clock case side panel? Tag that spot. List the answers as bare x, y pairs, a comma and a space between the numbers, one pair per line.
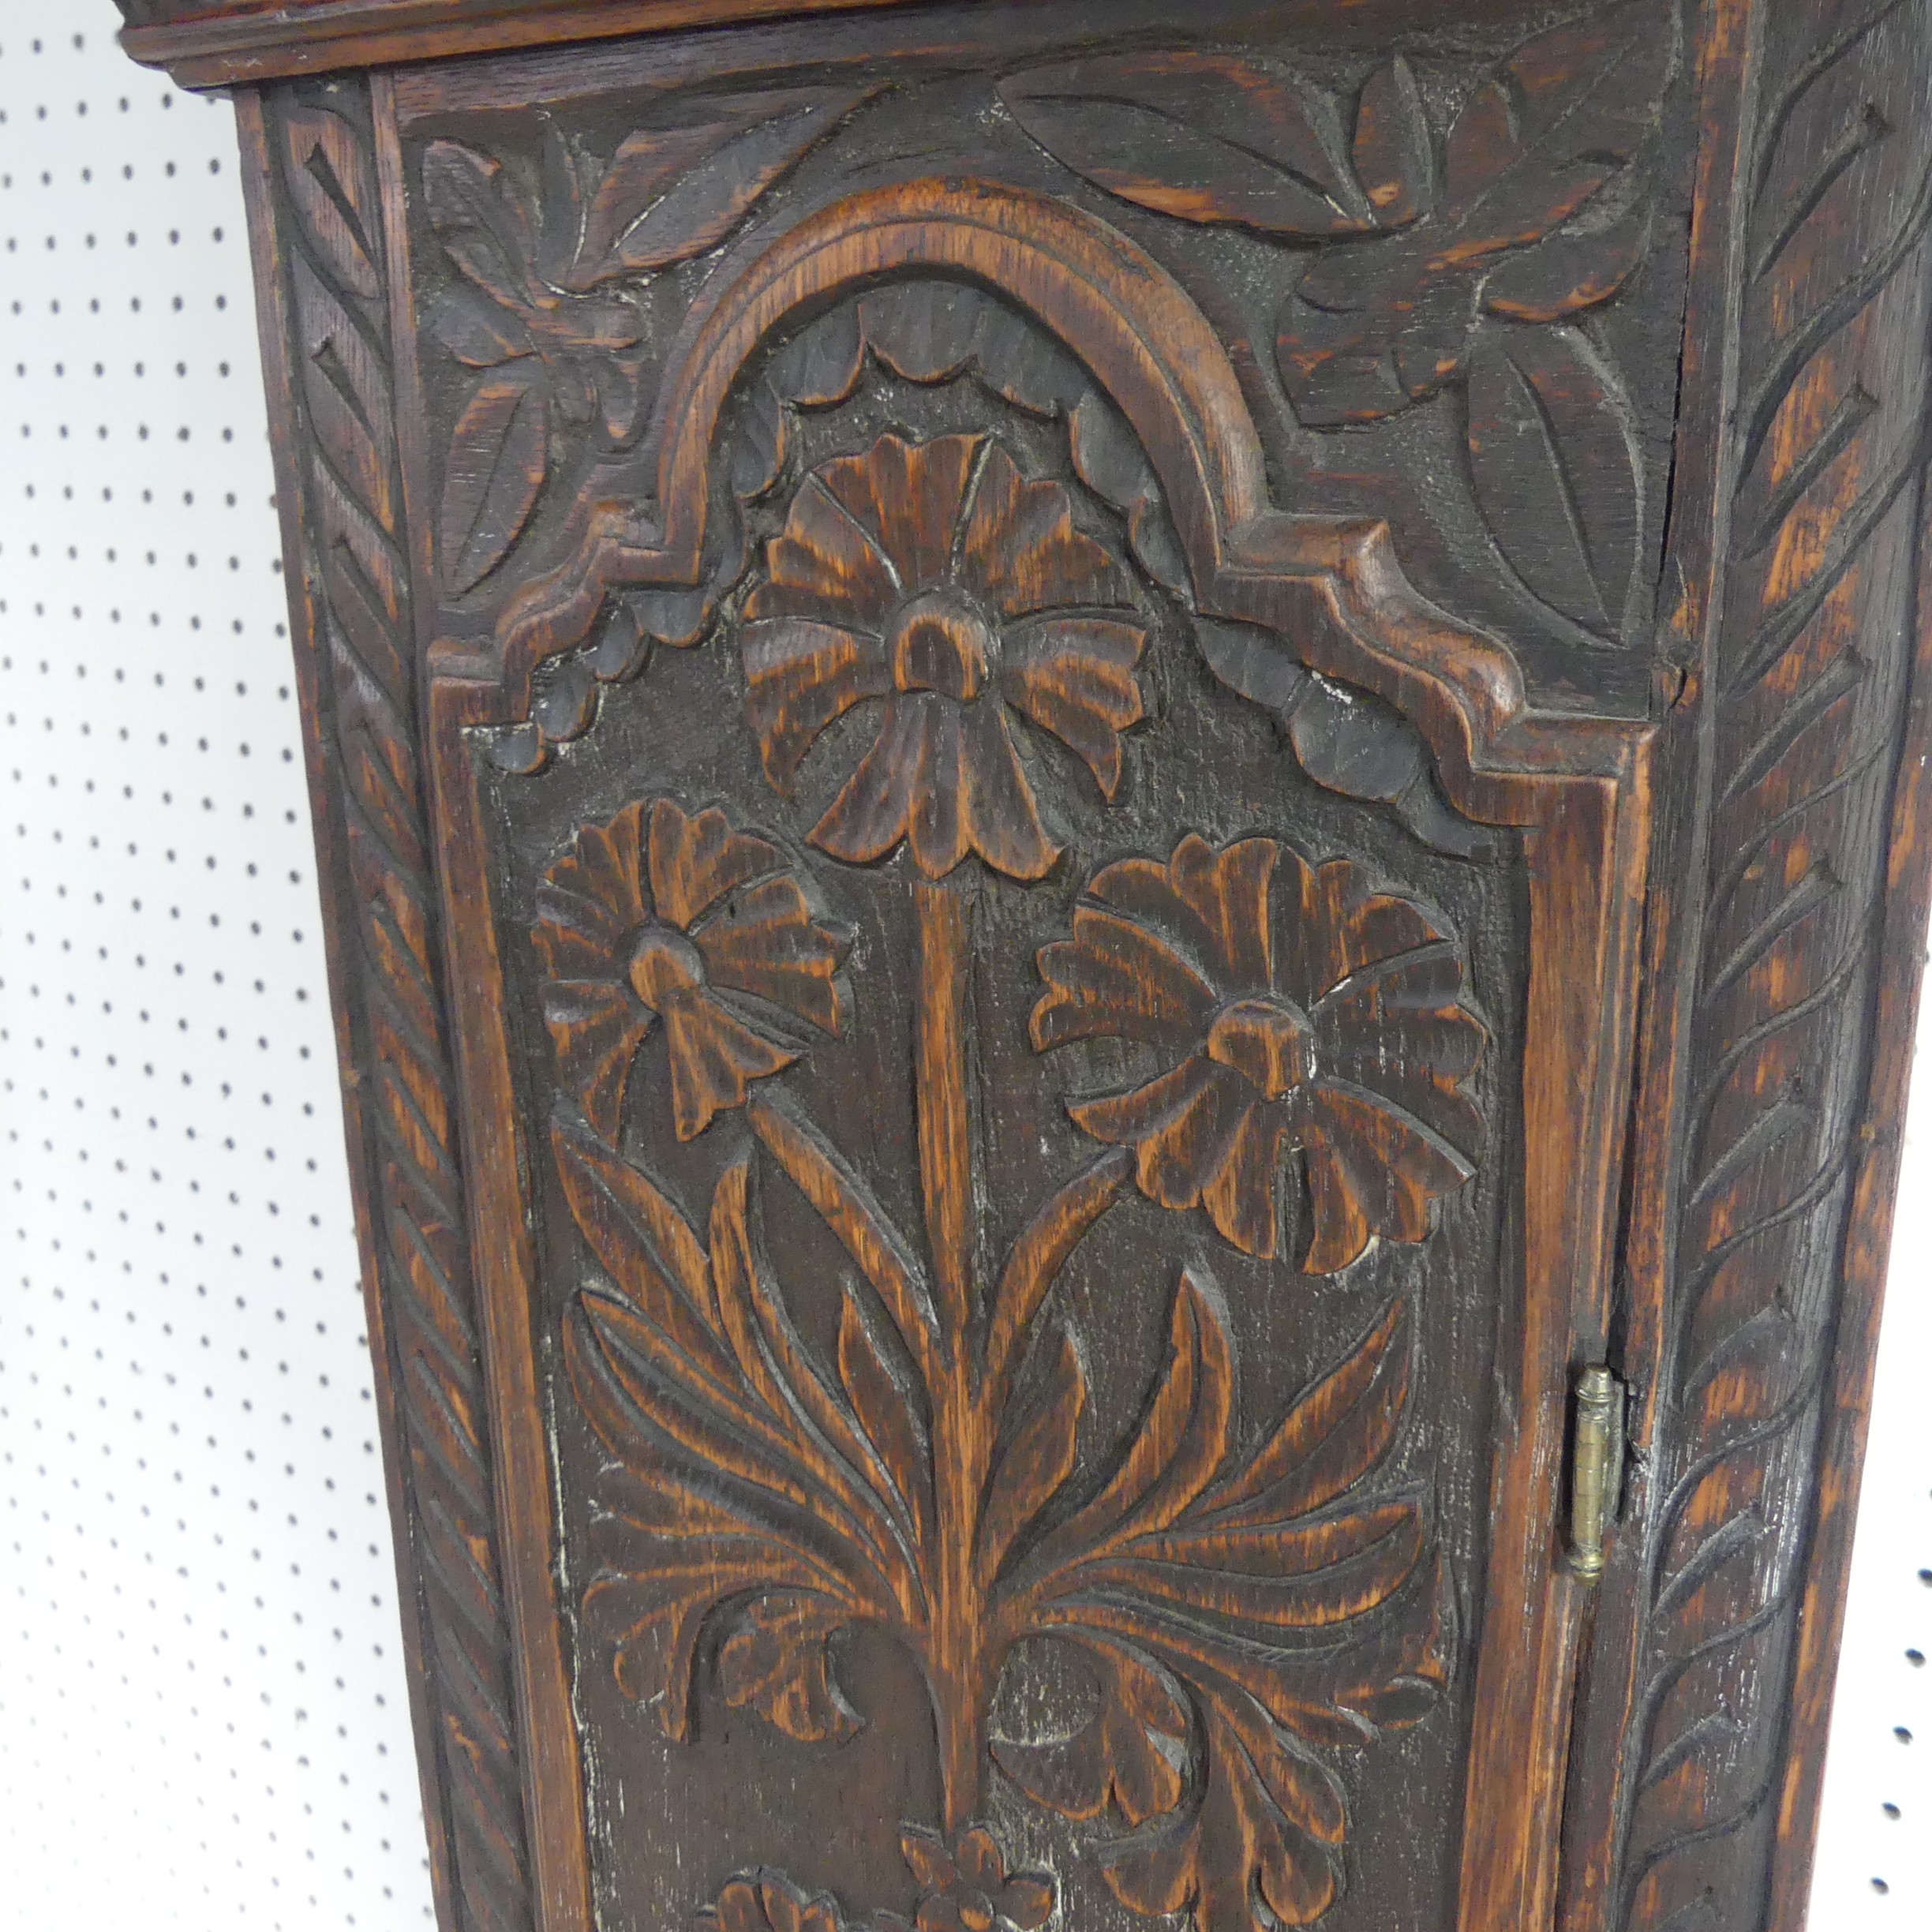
317, 231
1783, 958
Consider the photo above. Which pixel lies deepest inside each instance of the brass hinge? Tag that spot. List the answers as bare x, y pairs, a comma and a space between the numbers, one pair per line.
1596, 1466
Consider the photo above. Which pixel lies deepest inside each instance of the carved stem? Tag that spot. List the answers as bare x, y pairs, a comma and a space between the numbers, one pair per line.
939, 1033
957, 1662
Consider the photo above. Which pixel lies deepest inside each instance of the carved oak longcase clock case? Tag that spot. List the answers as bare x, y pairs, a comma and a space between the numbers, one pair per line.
1123, 809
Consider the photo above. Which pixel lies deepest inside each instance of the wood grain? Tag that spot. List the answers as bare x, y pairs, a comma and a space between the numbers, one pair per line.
1046, 897
318, 232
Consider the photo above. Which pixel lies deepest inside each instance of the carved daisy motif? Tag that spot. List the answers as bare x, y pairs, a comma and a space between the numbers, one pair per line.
966, 1887
766, 1901
934, 576
1300, 1012
664, 918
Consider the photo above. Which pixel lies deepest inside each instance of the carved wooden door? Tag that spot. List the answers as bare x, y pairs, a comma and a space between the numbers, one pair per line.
1111, 846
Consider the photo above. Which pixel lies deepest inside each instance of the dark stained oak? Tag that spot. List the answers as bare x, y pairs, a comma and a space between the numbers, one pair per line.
1090, 784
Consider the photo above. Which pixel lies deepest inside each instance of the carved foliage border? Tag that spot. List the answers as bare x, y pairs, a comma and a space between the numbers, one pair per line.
362, 686
1808, 693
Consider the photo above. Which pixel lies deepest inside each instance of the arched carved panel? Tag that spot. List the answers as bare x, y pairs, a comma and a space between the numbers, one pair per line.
939, 837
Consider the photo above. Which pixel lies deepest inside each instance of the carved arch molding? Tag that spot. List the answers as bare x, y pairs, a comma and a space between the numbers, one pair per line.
914, 790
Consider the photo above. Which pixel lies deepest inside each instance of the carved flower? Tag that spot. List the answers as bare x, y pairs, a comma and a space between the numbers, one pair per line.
768, 1901
662, 916
1299, 1011
966, 1888
933, 576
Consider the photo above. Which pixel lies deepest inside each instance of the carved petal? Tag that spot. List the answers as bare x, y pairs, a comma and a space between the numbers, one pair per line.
1239, 1195
800, 676
825, 565
1202, 1137
695, 859
1398, 1028
1333, 925
597, 889
1000, 819
1020, 552
1175, 1123
767, 943
906, 497
1074, 677
874, 809
714, 1058
1116, 979
1214, 902
1372, 1169
598, 1027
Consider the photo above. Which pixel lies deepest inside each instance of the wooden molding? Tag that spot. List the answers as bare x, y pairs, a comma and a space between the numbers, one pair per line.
204, 46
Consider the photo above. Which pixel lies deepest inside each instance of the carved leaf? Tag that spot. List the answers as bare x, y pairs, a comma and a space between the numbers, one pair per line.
1555, 469
335, 187
1369, 330
1040, 1253
886, 1410
1395, 1679
481, 335
646, 1246
1332, 1436
1205, 136
1036, 1462
778, 1660
1394, 153
1179, 1444
670, 193
1261, 1846
742, 1477
1810, 674
346, 387
848, 1208
1184, 1579
1566, 273
1132, 1756
487, 231
498, 453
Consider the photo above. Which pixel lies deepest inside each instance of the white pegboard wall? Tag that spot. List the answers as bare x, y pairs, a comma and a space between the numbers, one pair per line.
203, 1719
203, 1716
